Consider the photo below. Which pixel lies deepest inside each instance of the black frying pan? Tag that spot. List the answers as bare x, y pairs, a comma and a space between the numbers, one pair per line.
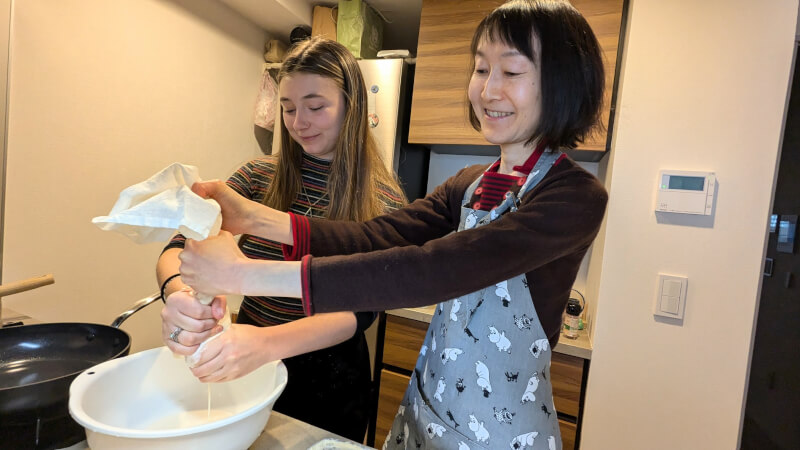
37, 365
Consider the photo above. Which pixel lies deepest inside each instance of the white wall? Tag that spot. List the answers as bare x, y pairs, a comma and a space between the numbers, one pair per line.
102, 95
704, 88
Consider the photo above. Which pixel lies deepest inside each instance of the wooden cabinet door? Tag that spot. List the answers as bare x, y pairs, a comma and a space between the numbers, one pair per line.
568, 433
566, 373
439, 104
393, 387
402, 341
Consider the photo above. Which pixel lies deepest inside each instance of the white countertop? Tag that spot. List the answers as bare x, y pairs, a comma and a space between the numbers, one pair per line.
284, 432
580, 347
281, 433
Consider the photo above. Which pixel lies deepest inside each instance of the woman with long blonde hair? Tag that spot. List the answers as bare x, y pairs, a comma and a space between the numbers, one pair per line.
328, 167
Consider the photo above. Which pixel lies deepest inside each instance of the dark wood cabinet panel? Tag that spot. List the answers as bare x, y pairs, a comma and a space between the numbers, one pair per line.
568, 432
567, 373
393, 387
402, 341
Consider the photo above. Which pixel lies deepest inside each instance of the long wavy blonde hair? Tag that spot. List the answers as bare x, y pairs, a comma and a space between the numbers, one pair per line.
357, 172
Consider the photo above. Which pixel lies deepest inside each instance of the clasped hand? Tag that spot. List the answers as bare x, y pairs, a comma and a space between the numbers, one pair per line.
197, 322
213, 265
234, 354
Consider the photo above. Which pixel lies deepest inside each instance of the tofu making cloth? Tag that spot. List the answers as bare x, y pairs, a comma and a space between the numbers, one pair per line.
155, 209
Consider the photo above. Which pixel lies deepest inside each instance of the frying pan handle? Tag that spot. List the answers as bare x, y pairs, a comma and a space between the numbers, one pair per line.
136, 307
26, 285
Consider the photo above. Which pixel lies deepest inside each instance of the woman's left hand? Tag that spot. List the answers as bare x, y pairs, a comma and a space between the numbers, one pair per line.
211, 266
238, 351
189, 321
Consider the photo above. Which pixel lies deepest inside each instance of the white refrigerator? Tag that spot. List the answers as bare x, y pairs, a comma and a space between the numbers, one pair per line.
385, 80
389, 85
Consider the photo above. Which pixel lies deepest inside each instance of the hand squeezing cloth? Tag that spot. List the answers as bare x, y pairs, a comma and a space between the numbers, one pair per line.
155, 209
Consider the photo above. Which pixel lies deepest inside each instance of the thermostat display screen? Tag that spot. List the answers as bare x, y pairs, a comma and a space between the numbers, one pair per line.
686, 183
686, 192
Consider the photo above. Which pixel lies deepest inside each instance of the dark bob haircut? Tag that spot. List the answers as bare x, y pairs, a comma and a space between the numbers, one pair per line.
571, 65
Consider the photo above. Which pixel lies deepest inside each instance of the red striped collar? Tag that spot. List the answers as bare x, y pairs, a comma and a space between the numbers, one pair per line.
527, 166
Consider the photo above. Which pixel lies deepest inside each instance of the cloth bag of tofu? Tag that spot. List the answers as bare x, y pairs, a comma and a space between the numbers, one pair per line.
158, 207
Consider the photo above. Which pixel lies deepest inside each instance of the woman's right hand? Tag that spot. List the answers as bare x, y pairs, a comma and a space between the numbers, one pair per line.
238, 213
198, 322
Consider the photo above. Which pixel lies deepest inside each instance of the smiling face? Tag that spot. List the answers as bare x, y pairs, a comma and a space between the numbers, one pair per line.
313, 111
505, 92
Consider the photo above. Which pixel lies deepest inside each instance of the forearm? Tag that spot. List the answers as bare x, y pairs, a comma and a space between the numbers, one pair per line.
168, 264
308, 334
268, 278
555, 223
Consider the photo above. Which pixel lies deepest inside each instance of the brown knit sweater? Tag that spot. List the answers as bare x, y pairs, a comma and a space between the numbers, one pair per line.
411, 258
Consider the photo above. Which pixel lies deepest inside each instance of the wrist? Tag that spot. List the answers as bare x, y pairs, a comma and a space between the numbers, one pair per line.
166, 289
268, 350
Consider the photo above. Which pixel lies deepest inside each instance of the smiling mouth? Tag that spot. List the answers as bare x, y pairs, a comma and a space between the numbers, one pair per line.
496, 114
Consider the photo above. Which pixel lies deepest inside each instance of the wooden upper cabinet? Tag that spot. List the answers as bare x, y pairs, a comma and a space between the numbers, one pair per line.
439, 104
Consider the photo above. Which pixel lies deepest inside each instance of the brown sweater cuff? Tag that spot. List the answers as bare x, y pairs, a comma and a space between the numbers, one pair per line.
300, 236
305, 282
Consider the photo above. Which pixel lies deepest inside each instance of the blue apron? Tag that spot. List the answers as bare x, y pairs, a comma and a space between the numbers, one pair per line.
482, 378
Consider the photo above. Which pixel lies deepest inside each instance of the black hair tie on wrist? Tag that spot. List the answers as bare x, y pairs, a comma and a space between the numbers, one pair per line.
164, 286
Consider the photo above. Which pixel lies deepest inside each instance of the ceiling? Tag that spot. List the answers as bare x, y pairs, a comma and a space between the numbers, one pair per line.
279, 17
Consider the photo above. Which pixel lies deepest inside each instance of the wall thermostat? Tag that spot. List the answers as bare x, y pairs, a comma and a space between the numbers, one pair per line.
686, 192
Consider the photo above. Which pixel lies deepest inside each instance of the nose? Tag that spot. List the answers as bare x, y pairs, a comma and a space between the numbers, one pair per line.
299, 122
492, 86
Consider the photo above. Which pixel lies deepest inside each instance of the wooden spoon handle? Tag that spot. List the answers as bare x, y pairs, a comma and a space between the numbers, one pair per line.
26, 285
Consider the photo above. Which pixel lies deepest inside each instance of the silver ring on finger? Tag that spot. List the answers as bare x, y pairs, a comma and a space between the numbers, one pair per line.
174, 335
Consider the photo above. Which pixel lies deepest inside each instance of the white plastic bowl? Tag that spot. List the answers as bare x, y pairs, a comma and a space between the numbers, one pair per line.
151, 400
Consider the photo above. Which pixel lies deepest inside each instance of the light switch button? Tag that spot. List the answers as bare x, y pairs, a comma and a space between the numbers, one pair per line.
672, 288
669, 304
671, 296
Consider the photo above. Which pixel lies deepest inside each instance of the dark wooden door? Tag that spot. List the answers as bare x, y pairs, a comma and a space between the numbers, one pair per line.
772, 411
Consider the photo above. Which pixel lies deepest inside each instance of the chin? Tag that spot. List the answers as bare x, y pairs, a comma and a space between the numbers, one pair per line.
494, 138
318, 153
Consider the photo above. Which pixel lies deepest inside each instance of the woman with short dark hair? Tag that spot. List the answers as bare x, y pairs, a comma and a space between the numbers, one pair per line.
500, 246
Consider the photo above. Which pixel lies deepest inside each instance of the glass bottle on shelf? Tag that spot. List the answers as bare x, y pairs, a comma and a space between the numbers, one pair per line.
572, 316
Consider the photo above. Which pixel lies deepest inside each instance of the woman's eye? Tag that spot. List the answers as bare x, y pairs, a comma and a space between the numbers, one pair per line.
316, 109
512, 74
288, 111
481, 71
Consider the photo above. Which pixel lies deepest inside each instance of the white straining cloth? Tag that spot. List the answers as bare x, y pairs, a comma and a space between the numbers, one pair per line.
155, 209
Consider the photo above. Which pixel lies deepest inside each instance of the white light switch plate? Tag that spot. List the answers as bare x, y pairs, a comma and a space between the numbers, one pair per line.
671, 296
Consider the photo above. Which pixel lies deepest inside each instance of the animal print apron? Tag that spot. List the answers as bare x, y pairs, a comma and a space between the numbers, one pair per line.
482, 378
